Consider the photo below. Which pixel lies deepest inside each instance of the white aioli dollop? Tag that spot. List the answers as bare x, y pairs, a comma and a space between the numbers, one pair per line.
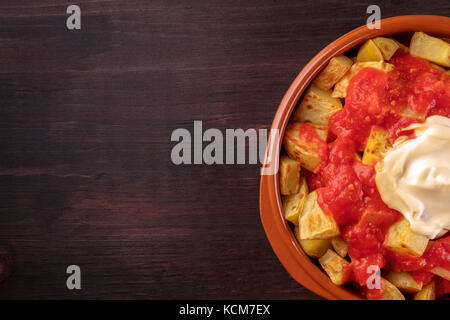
414, 177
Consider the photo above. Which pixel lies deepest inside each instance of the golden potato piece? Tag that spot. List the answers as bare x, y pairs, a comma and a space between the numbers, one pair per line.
401, 238
391, 292
369, 52
404, 282
433, 49
380, 65
289, 175
333, 264
314, 223
387, 46
340, 89
313, 248
293, 204
333, 72
340, 246
316, 106
376, 146
306, 152
427, 293
441, 272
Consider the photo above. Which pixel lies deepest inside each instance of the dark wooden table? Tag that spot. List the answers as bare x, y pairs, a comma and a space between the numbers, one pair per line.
86, 118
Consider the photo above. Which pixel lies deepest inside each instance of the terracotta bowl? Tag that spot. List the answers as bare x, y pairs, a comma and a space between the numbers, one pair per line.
277, 229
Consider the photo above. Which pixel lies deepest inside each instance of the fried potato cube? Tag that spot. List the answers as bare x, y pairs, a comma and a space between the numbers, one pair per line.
401, 238
437, 67
316, 106
380, 65
333, 72
387, 46
376, 146
293, 204
404, 282
430, 48
427, 293
306, 152
340, 246
441, 272
340, 89
391, 292
314, 223
333, 264
313, 248
369, 51
289, 175
401, 46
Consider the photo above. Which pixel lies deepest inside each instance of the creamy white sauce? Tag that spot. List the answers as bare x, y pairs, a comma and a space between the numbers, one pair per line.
414, 177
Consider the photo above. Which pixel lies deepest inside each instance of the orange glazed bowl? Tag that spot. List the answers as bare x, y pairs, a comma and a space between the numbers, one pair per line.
277, 229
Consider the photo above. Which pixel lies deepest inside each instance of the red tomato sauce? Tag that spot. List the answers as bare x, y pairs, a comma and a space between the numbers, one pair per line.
442, 287
308, 133
346, 187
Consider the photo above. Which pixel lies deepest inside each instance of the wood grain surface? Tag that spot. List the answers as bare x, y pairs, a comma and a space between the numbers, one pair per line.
86, 117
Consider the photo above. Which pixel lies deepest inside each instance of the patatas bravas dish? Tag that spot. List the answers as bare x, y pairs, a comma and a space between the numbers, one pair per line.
364, 172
